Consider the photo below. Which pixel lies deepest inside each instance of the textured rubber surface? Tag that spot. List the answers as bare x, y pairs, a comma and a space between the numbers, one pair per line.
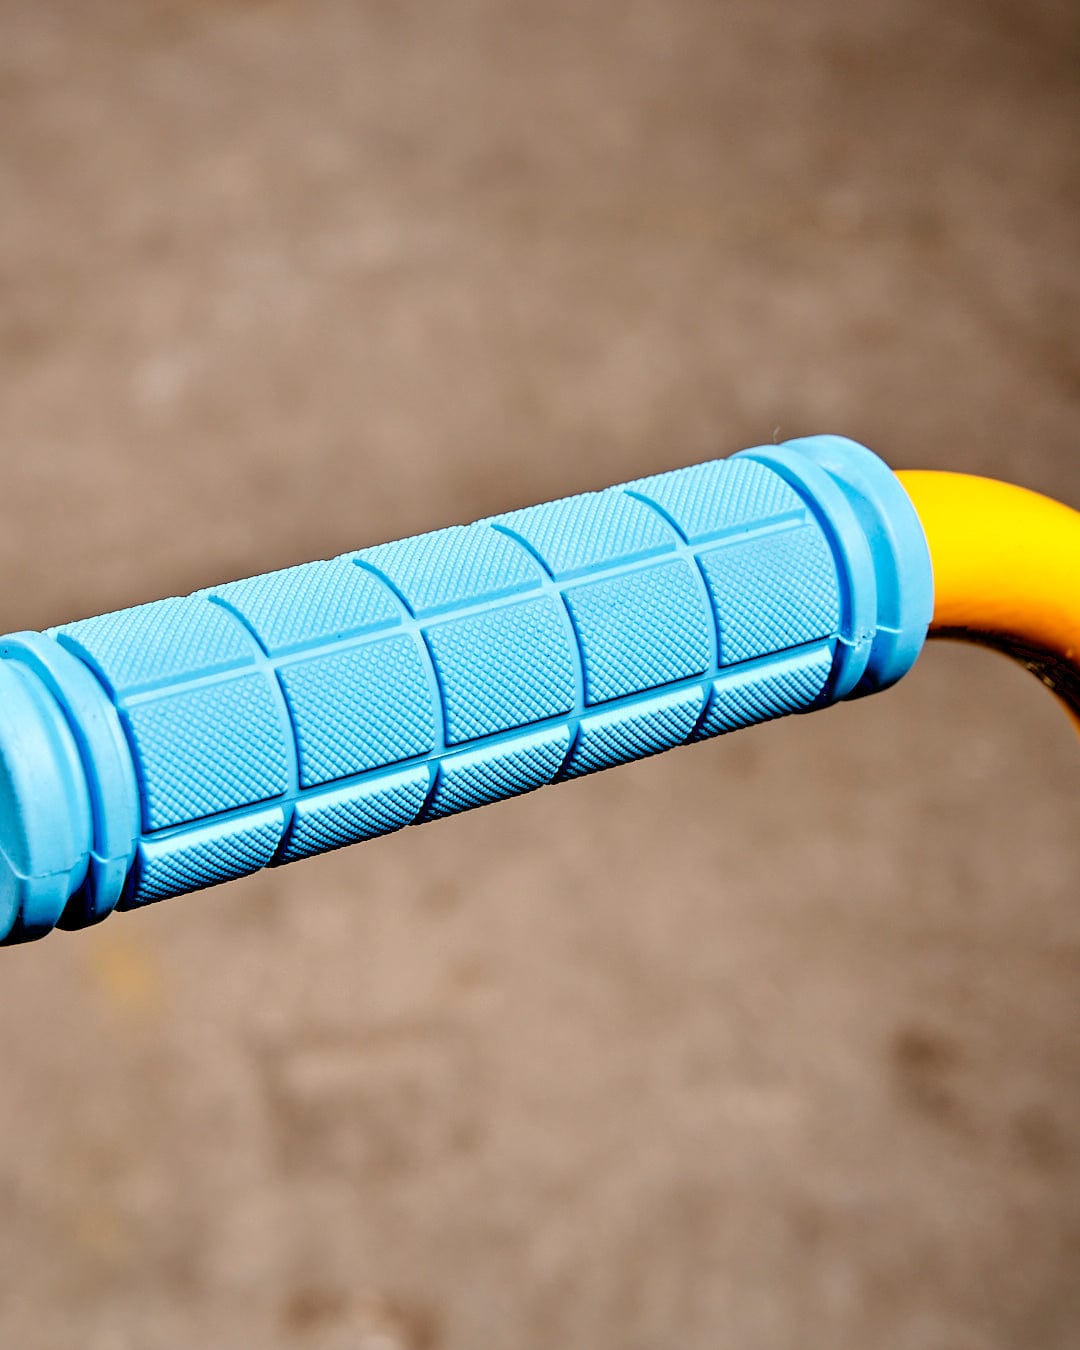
273, 718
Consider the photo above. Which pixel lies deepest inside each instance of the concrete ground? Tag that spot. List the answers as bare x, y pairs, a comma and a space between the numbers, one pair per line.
768, 1043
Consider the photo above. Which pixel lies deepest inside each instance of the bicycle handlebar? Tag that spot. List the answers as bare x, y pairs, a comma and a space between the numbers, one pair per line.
164, 748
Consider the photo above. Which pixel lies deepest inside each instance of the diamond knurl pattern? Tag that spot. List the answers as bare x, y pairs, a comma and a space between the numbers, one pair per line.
596, 529
641, 630
317, 602
362, 718
460, 565
332, 820
505, 770
772, 592
708, 499
767, 694
168, 639
205, 857
359, 709
213, 748
503, 668
634, 732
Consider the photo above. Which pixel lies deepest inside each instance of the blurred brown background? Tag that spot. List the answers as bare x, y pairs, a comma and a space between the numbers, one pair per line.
768, 1043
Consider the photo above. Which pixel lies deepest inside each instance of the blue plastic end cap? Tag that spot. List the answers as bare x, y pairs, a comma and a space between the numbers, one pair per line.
902, 566
46, 825
63, 753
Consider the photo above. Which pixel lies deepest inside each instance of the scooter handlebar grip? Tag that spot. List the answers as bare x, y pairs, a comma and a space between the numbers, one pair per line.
160, 749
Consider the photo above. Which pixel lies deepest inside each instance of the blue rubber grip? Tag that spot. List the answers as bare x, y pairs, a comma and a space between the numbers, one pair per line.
168, 747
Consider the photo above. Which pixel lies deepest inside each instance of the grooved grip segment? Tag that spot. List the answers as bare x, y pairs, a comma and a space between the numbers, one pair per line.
299, 711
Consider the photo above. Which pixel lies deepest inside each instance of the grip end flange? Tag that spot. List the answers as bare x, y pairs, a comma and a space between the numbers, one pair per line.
881, 551
69, 806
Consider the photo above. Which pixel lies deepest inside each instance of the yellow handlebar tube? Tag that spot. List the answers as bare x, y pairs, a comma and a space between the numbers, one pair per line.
1006, 572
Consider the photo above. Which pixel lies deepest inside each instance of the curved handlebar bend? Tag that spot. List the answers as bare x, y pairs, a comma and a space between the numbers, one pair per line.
1006, 572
